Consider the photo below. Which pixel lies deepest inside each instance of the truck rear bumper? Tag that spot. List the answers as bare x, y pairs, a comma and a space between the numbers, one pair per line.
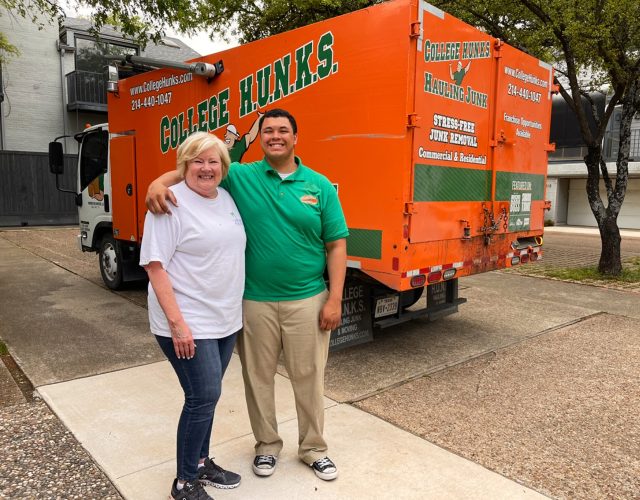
430, 313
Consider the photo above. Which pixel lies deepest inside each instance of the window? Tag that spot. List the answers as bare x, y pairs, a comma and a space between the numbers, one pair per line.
90, 55
93, 157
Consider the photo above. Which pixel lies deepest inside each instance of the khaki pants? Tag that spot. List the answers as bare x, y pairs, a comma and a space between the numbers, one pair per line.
293, 328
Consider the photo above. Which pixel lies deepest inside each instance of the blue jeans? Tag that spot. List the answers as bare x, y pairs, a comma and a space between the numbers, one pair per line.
201, 381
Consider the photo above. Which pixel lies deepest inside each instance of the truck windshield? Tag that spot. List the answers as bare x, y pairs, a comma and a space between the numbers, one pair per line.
93, 157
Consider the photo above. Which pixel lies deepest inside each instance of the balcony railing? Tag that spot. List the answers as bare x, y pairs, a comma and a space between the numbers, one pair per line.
610, 150
86, 91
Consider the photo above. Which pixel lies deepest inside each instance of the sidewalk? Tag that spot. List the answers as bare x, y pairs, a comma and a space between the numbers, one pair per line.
625, 233
126, 421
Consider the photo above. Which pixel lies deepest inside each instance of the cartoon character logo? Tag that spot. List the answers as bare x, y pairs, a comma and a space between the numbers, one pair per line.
458, 75
238, 145
96, 188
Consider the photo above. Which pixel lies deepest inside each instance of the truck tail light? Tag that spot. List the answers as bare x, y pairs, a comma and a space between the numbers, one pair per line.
435, 276
417, 281
515, 260
524, 258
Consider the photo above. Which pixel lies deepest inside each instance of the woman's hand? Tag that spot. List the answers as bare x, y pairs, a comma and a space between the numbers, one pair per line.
183, 342
180, 332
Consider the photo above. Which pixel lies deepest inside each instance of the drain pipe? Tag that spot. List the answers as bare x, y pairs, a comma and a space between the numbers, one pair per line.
62, 49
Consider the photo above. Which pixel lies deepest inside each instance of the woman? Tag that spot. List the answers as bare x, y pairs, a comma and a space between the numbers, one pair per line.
195, 263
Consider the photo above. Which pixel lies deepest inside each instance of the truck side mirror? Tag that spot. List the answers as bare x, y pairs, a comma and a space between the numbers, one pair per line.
56, 158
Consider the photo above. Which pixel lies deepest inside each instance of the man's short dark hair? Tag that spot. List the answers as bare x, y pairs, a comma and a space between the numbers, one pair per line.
279, 113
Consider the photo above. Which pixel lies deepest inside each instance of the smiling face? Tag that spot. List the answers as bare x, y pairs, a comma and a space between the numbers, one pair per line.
230, 139
204, 173
278, 140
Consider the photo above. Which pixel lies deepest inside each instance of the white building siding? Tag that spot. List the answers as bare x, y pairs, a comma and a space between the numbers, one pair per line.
32, 112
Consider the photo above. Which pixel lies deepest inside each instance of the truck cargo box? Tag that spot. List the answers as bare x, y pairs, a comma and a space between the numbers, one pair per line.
434, 134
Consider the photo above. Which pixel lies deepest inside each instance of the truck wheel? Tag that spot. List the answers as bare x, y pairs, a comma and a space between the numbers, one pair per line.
110, 262
410, 297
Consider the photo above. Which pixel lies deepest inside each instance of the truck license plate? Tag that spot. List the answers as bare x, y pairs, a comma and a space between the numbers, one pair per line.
386, 306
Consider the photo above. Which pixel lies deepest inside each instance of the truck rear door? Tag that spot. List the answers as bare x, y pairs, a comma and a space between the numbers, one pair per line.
523, 115
452, 172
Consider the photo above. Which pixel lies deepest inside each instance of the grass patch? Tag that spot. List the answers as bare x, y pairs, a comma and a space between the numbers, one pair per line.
630, 273
3, 349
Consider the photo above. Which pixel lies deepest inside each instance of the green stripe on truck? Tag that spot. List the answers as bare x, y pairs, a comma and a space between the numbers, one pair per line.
434, 183
510, 182
364, 243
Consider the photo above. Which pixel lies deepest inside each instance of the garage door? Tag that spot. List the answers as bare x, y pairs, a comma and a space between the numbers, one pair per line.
579, 212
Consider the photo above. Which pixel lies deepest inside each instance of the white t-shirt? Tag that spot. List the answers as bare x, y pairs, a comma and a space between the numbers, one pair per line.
201, 246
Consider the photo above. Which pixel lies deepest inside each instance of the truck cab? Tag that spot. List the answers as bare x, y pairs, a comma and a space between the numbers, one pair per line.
117, 259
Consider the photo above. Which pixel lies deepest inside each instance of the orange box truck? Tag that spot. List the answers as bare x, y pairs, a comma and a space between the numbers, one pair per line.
434, 134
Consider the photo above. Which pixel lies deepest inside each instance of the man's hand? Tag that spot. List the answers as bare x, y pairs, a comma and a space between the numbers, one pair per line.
157, 196
331, 314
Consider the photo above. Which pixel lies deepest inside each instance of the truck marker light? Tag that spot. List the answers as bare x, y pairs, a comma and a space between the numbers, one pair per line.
395, 263
418, 281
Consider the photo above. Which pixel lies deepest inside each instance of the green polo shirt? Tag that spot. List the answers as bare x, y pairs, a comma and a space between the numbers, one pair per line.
287, 223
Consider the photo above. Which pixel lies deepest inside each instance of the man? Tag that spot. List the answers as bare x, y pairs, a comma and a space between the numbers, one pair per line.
295, 227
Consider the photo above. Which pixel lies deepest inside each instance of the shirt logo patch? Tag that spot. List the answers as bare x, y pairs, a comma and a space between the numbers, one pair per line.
309, 199
236, 218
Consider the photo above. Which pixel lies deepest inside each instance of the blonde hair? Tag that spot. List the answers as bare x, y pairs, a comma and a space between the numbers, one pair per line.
194, 145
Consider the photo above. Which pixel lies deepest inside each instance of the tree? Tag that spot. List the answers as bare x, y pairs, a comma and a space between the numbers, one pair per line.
143, 20
249, 20
597, 38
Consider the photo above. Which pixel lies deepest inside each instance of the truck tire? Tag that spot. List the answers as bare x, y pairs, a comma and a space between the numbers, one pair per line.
410, 297
111, 262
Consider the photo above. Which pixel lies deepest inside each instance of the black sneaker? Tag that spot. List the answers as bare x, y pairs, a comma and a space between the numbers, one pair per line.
264, 465
214, 475
192, 490
325, 469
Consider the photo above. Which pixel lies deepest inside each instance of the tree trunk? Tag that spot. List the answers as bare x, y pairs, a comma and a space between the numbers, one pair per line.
607, 217
610, 256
